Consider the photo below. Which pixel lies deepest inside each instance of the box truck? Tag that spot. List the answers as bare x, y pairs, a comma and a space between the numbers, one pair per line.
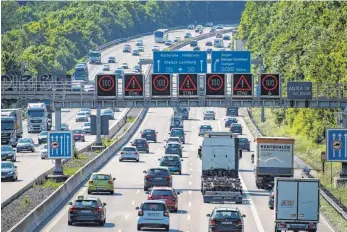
11, 126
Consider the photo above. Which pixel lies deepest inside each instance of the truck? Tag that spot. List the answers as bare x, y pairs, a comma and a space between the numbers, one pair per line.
11, 126
94, 57
182, 111
274, 157
220, 168
37, 117
296, 204
176, 122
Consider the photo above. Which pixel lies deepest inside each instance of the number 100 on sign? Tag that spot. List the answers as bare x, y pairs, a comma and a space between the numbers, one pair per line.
106, 85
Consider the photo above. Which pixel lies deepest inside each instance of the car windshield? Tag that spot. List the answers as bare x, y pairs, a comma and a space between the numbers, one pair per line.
101, 177
24, 141
6, 148
44, 133
161, 192
81, 113
236, 125
209, 112
153, 207
170, 161
129, 149
174, 140
85, 204
124, 64
161, 172
148, 132
243, 140
205, 127
6, 165
172, 145
111, 58
87, 124
78, 131
226, 215
140, 141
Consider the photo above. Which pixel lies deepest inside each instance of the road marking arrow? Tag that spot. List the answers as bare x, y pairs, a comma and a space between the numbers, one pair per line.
334, 137
341, 144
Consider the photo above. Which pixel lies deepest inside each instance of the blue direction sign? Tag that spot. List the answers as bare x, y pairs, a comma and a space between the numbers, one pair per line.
337, 144
60, 144
231, 62
179, 62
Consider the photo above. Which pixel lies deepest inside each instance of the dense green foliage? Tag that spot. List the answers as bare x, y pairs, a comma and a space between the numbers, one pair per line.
301, 40
51, 36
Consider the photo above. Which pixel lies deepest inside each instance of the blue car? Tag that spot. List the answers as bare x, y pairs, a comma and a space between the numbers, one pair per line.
232, 111
172, 163
174, 148
229, 121
149, 134
244, 144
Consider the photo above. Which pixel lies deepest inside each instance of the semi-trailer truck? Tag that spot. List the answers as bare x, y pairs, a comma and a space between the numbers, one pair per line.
220, 180
37, 117
94, 57
296, 204
274, 157
11, 126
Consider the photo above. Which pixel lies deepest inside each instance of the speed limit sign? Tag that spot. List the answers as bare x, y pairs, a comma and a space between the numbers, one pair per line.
106, 85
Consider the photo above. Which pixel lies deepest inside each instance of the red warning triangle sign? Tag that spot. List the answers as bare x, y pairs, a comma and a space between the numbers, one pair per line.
242, 84
133, 85
188, 84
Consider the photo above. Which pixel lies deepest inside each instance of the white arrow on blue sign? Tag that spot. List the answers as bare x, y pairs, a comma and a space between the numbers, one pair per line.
336, 144
60, 145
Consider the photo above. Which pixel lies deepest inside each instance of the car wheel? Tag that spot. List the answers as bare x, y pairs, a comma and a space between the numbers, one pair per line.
138, 160
102, 223
14, 159
139, 227
147, 151
33, 150
179, 173
89, 192
145, 188
69, 223
120, 160
175, 210
18, 151
167, 228
112, 192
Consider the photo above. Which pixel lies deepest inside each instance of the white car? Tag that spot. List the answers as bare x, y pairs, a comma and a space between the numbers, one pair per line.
204, 128
124, 65
153, 214
129, 153
139, 42
141, 48
173, 139
106, 67
87, 110
155, 48
82, 117
209, 115
86, 127
44, 152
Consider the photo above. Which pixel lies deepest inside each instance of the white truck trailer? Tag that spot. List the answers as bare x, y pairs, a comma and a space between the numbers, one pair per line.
274, 157
296, 204
11, 126
220, 168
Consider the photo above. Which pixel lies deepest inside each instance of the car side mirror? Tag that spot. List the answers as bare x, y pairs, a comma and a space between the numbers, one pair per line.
144, 171
181, 159
15, 166
114, 178
182, 147
243, 215
208, 215
104, 204
70, 203
137, 208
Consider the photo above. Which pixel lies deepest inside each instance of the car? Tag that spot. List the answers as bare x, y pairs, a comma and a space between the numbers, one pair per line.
173, 139
137, 68
244, 144
209, 24
126, 48
141, 145
213, 29
78, 135
25, 144
198, 28
86, 127
157, 177
64, 127
193, 43
219, 26
44, 151
208, 43
209, 115
87, 110
8, 171
129, 153
153, 214
177, 39
229, 120
168, 194
82, 117
155, 48
106, 67
226, 37
271, 199
226, 219
196, 48
149, 134
42, 137
178, 132
204, 128
136, 52
188, 35
171, 162
7, 152
139, 42
101, 182
124, 65
209, 50
109, 113
119, 72
141, 48
191, 27
232, 112
219, 35
112, 59
174, 148
87, 209
236, 128
168, 42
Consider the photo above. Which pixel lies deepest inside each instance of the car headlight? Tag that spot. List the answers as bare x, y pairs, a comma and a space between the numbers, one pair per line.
10, 172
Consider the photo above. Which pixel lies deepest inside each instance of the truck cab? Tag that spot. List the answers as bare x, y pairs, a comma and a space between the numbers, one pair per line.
37, 116
94, 57
182, 111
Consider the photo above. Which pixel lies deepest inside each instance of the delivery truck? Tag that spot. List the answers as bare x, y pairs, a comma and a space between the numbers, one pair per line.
296, 204
11, 126
274, 157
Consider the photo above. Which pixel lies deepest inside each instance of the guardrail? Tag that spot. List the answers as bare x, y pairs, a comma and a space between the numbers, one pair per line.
328, 196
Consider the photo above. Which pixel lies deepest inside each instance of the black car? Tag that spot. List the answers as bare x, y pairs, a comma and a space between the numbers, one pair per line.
226, 37
233, 112
87, 209
236, 128
157, 177
112, 59
149, 134
226, 219
196, 48
141, 145
194, 43
229, 121
208, 43
244, 144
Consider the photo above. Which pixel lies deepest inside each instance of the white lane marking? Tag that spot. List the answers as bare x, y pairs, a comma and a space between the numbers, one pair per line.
190, 192
138, 191
191, 169
132, 203
190, 183
126, 217
190, 204
327, 223
188, 217
190, 175
253, 209
119, 230
142, 182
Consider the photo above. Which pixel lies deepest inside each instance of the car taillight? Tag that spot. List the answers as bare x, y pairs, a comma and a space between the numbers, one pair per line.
90, 182
312, 226
149, 197
147, 176
168, 177
122, 153
174, 199
110, 182
72, 210
212, 222
98, 210
141, 213
239, 222
166, 214
283, 225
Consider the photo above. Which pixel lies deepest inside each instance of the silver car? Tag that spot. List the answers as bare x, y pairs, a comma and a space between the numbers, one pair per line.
209, 115
8, 171
44, 152
42, 137
25, 144
86, 127
82, 117
7, 152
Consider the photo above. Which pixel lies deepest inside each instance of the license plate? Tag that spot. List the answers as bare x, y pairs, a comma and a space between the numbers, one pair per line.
86, 211
153, 214
174, 149
158, 178
217, 198
99, 188
227, 223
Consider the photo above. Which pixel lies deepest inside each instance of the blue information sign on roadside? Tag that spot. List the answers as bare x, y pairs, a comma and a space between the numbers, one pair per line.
337, 144
231, 62
179, 62
60, 144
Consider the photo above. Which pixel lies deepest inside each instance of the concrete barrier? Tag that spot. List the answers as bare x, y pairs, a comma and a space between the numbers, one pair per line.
58, 198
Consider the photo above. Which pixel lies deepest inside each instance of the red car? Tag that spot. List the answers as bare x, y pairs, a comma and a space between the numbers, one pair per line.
168, 194
78, 135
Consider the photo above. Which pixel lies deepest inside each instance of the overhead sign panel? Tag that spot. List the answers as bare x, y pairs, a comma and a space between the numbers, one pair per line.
299, 90
60, 144
133, 85
179, 62
161, 85
106, 85
242, 85
336, 144
188, 84
270, 86
231, 61
215, 84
